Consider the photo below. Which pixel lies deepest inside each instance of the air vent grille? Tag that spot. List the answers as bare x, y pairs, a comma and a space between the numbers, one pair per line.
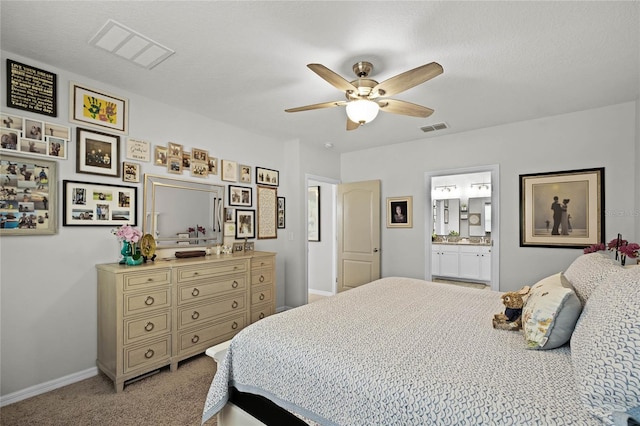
130, 45
434, 127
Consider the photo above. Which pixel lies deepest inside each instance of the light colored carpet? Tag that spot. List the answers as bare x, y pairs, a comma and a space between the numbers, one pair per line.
167, 398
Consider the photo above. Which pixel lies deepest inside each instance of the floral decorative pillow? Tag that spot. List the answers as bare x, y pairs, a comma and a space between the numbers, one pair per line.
550, 313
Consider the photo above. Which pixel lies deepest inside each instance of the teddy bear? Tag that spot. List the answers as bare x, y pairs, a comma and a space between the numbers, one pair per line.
513, 301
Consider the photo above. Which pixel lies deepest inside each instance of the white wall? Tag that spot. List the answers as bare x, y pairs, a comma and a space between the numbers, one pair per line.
571, 141
48, 283
308, 160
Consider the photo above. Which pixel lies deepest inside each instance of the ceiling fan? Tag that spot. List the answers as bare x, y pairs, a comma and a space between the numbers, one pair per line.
365, 97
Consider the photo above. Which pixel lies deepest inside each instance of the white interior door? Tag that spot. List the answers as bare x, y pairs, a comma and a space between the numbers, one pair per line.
358, 231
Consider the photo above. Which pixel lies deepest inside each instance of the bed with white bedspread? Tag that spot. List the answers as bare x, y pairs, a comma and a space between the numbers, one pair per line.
403, 351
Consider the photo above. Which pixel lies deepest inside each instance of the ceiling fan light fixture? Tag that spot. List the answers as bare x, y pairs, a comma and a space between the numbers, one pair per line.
362, 111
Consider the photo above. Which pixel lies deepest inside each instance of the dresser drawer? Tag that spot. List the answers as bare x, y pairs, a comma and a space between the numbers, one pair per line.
207, 289
191, 315
207, 336
260, 312
137, 329
261, 276
149, 301
198, 272
261, 295
262, 262
149, 353
139, 280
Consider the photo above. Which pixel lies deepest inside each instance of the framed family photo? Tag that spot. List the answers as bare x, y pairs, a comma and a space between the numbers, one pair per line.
130, 172
245, 173
400, 212
98, 204
26, 136
562, 209
281, 212
240, 196
28, 197
160, 156
98, 108
245, 224
267, 176
97, 153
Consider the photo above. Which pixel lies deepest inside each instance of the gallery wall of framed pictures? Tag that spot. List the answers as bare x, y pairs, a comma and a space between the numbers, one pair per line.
104, 149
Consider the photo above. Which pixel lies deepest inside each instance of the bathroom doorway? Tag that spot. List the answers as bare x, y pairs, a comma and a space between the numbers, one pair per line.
462, 225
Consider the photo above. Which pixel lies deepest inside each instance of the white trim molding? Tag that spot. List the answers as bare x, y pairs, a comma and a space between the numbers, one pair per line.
45, 387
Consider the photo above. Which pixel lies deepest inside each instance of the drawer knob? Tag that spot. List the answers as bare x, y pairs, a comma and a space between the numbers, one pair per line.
195, 292
234, 284
149, 326
195, 315
234, 325
149, 280
195, 338
261, 315
149, 354
234, 304
195, 274
149, 301
261, 279
261, 296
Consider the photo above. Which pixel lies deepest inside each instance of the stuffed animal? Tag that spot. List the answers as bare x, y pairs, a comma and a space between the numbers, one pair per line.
513, 301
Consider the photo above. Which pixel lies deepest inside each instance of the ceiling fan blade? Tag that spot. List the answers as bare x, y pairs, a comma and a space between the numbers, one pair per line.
334, 79
352, 125
317, 106
408, 79
404, 108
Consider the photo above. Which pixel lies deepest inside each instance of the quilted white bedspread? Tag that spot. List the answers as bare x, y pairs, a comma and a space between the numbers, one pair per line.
400, 351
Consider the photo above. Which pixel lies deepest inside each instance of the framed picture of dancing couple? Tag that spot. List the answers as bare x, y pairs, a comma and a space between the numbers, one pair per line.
562, 209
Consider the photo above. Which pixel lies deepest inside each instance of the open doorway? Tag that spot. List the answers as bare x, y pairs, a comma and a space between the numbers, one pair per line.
321, 236
462, 225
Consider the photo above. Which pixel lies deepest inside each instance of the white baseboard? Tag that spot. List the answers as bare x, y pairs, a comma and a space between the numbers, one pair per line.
47, 386
282, 308
320, 292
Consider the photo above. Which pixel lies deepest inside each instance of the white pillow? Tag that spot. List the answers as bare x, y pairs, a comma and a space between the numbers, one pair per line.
588, 271
605, 347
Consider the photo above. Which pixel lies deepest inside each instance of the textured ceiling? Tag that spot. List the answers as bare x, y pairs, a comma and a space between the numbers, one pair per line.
243, 63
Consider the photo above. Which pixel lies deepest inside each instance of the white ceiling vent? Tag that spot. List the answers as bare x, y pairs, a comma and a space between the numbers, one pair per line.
434, 127
130, 45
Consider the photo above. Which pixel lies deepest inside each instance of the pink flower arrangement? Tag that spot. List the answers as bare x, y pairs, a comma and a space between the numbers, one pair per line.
128, 233
623, 247
594, 248
630, 249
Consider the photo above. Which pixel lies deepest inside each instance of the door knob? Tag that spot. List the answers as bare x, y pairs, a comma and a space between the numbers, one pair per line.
375, 250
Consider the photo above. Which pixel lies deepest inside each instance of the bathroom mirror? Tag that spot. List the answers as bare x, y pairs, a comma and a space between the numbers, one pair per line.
182, 213
446, 216
480, 210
